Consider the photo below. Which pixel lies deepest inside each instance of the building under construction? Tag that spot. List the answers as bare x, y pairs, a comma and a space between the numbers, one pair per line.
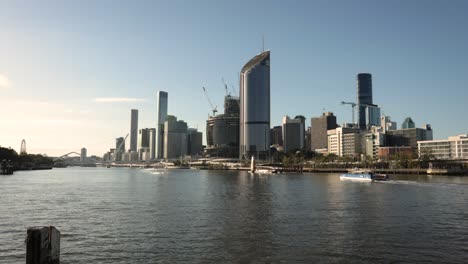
222, 131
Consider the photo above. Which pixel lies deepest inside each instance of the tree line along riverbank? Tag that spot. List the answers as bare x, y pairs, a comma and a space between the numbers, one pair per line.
9, 157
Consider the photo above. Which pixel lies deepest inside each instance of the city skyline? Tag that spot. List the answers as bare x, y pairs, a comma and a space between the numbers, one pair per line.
71, 72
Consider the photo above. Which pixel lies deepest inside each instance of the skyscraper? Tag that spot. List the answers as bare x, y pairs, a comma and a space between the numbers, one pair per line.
152, 143
175, 138
161, 114
144, 144
364, 97
134, 130
255, 108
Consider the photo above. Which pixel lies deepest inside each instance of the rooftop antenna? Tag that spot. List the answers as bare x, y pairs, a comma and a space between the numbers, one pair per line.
263, 43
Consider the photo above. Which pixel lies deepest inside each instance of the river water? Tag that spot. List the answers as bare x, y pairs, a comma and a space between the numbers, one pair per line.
123, 215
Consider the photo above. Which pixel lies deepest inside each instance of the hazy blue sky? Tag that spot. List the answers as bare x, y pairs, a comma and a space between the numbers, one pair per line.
58, 57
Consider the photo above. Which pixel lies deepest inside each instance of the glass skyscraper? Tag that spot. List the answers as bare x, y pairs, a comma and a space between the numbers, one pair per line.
255, 108
364, 97
161, 113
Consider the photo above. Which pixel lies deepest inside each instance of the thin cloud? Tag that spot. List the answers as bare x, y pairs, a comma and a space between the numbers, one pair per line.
4, 82
118, 100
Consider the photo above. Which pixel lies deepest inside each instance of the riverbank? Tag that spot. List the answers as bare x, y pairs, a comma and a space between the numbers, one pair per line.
293, 169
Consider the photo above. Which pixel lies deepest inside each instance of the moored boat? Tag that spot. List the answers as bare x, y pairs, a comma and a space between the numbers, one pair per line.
261, 169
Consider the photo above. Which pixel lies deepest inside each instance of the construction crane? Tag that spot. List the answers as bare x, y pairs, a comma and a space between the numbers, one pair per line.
119, 147
225, 87
214, 108
353, 105
121, 144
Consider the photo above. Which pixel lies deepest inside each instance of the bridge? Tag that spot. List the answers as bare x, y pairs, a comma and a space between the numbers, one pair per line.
64, 159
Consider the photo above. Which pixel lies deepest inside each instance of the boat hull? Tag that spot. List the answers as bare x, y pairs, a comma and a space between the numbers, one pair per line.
357, 177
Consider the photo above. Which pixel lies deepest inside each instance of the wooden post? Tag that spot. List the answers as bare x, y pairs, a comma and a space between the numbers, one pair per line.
43, 245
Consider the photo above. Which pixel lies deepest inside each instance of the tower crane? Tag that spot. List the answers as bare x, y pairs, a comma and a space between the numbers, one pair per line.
353, 105
119, 147
225, 87
121, 144
214, 108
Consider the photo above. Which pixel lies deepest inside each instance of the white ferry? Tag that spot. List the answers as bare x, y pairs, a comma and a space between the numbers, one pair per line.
363, 175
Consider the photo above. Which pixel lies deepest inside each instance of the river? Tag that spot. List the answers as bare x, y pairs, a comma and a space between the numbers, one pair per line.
124, 215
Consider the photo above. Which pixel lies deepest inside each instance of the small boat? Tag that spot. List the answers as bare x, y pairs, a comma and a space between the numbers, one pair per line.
260, 170
363, 175
380, 177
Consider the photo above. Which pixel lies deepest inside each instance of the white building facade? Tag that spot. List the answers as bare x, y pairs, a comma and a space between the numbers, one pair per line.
344, 141
455, 147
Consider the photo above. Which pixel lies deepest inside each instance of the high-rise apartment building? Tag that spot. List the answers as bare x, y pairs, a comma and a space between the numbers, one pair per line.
134, 130
161, 114
364, 97
318, 130
255, 108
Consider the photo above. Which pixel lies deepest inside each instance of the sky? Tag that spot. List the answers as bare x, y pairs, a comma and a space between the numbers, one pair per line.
70, 71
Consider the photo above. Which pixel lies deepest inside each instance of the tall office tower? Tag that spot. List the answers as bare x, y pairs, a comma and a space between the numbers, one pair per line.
152, 143
408, 123
364, 97
293, 134
303, 119
255, 108
143, 144
161, 114
134, 130
175, 138
318, 130
83, 155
